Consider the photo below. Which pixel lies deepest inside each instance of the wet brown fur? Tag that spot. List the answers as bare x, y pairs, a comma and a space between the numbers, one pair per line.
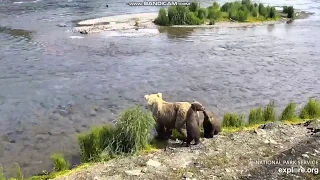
192, 123
211, 125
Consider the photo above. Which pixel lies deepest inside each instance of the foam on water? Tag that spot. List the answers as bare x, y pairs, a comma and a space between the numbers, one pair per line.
131, 33
75, 37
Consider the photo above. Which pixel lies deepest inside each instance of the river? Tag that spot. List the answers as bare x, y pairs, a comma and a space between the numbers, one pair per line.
53, 86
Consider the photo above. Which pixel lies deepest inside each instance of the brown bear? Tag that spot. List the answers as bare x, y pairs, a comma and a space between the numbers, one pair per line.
211, 125
192, 123
168, 115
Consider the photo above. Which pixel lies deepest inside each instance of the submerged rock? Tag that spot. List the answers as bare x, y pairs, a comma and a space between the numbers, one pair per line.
62, 25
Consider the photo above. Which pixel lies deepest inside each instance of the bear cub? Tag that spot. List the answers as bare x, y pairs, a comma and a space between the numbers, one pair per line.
211, 126
192, 123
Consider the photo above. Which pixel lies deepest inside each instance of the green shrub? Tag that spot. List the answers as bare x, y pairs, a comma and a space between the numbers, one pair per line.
250, 8
242, 16
289, 113
194, 6
285, 9
2, 176
269, 113
172, 14
216, 6
178, 15
214, 14
133, 132
291, 13
192, 19
233, 120
202, 13
162, 18
226, 7
310, 110
94, 142
256, 116
273, 12
260, 7
263, 12
255, 12
59, 163
246, 2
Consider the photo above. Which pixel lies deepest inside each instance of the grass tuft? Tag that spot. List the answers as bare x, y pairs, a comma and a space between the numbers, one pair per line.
2, 176
94, 142
59, 163
269, 113
310, 110
131, 133
16, 171
256, 116
289, 113
233, 120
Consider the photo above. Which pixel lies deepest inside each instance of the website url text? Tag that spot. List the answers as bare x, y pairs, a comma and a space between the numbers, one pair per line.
159, 3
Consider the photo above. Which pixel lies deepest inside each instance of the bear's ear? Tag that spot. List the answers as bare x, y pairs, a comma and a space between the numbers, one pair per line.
159, 95
146, 96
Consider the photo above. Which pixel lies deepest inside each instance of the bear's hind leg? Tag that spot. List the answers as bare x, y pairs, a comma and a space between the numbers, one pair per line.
196, 140
168, 133
161, 132
188, 140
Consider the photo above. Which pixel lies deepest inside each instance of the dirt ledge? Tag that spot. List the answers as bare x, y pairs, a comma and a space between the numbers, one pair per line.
240, 155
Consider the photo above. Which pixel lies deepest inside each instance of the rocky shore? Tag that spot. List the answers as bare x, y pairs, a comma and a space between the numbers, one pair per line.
267, 152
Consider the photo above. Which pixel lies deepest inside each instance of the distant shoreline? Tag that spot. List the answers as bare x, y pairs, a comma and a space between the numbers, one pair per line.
145, 21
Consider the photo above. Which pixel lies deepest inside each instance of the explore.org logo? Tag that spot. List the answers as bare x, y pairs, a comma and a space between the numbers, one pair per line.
159, 3
298, 170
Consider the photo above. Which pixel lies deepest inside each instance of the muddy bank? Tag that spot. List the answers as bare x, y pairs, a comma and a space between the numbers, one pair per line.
241, 155
123, 23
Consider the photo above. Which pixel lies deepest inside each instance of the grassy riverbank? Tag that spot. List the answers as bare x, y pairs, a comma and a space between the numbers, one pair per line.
131, 136
244, 11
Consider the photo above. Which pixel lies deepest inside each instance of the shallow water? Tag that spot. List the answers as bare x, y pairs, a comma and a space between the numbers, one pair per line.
54, 84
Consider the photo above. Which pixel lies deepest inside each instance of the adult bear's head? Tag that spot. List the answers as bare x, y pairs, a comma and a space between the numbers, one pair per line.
153, 99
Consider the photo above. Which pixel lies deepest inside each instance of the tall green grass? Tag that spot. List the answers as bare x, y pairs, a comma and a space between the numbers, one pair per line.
256, 116
2, 177
59, 163
261, 115
94, 142
17, 172
289, 113
269, 112
131, 133
310, 110
233, 120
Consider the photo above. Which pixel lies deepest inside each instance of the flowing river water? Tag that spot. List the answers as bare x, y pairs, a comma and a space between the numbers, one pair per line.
54, 85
